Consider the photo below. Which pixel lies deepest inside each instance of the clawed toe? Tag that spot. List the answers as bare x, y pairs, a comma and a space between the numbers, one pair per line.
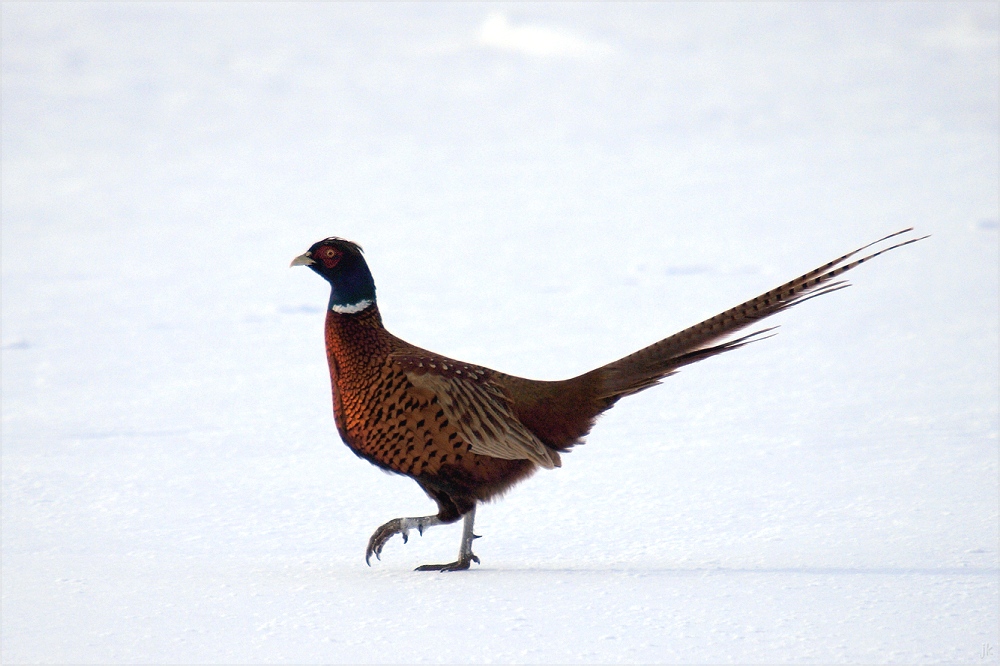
381, 536
401, 526
461, 564
451, 566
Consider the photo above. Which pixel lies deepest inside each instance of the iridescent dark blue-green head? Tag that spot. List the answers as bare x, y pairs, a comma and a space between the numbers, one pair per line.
341, 263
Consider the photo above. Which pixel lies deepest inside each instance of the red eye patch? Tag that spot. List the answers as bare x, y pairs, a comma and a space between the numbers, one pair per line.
327, 256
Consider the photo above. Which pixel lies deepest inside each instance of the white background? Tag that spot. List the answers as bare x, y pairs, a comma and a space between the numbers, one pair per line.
540, 189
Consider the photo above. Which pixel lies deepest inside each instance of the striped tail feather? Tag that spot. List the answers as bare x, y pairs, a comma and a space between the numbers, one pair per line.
648, 366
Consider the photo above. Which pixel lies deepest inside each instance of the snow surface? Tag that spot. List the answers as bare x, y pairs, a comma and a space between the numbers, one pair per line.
540, 189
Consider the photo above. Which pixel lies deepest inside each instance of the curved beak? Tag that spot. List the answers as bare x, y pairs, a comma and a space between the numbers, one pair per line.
302, 260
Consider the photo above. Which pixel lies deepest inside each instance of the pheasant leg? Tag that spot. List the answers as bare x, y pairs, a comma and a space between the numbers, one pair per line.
465, 554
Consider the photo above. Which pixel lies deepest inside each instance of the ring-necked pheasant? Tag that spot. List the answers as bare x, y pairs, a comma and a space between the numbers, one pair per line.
466, 433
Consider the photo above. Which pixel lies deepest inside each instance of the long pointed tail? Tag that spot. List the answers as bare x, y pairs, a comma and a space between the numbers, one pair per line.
648, 366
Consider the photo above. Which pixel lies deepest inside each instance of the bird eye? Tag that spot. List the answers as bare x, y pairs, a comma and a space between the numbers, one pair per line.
329, 256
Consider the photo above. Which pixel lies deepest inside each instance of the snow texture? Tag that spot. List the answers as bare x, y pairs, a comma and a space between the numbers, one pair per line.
539, 188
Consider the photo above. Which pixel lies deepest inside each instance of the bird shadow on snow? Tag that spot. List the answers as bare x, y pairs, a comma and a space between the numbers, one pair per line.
722, 571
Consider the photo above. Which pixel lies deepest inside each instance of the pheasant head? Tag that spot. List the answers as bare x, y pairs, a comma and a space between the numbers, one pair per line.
341, 263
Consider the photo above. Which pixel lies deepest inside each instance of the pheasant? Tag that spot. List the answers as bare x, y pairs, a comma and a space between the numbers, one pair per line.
466, 434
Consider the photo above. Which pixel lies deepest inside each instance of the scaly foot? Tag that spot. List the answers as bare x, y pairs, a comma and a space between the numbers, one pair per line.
396, 526
460, 565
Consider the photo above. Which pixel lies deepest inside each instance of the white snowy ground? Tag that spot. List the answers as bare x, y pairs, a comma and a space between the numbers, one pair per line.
540, 189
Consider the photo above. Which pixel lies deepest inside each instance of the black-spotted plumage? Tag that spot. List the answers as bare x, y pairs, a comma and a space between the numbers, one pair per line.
466, 433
